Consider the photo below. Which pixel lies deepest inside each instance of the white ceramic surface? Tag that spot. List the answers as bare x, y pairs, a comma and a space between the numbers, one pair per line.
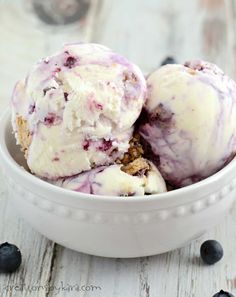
115, 226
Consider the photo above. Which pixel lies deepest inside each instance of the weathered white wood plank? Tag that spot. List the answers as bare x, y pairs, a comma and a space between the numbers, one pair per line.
36, 250
145, 31
231, 21
25, 39
148, 31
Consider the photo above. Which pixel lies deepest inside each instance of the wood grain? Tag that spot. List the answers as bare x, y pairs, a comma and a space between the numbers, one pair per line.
149, 31
146, 32
37, 252
25, 39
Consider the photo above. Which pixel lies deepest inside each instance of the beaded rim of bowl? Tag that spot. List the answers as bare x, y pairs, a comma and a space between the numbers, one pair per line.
104, 217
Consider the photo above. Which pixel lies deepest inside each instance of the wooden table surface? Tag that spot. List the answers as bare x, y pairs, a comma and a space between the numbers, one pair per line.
146, 32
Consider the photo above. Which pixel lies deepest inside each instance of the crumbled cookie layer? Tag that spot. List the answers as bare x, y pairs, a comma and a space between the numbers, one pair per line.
23, 134
139, 166
135, 151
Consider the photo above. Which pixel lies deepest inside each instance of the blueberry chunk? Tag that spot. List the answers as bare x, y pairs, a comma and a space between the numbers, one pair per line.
223, 294
211, 252
168, 60
10, 257
70, 61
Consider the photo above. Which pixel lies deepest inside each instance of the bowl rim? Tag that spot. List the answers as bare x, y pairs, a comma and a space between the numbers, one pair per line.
5, 122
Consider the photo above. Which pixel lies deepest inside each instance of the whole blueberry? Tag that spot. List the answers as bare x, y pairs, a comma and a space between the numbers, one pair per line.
223, 294
168, 60
10, 257
211, 252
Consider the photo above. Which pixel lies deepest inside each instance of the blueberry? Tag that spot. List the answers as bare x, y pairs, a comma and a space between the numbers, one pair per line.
211, 251
223, 294
70, 61
168, 60
10, 257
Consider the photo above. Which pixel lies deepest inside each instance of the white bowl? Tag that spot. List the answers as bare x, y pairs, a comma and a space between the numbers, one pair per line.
115, 226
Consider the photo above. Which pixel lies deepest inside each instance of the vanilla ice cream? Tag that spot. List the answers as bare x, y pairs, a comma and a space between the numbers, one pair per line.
190, 120
76, 110
139, 178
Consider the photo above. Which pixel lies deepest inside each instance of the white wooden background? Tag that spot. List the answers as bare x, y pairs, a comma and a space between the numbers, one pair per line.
146, 32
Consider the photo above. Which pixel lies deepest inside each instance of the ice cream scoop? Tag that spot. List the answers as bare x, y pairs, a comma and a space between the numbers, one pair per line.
189, 121
138, 178
76, 110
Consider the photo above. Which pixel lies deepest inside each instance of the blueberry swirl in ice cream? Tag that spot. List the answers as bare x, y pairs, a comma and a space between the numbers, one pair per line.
189, 120
140, 177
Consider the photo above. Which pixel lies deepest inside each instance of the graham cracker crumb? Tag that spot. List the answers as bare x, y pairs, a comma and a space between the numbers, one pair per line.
191, 71
23, 133
136, 167
135, 150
